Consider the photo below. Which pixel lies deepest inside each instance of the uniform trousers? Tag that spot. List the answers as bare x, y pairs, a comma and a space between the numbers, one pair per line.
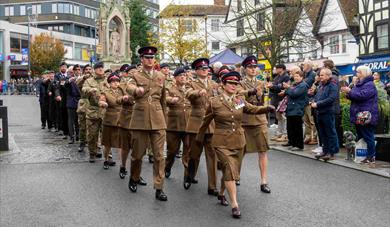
45, 114
82, 127
94, 127
174, 139
73, 123
211, 159
142, 139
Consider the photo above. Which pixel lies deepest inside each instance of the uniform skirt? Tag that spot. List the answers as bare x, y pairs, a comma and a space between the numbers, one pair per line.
125, 138
110, 136
256, 138
230, 160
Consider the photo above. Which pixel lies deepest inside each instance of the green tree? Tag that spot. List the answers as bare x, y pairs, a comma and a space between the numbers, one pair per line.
140, 28
46, 53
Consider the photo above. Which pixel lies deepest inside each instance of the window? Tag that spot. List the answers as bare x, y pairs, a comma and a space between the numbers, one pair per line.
344, 44
215, 25
60, 8
260, 22
22, 10
240, 27
87, 12
239, 5
188, 25
76, 10
9, 11
334, 44
17, 42
382, 33
314, 50
54, 8
66, 8
36, 9
215, 45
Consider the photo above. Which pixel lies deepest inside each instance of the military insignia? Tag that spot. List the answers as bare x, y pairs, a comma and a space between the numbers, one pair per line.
239, 104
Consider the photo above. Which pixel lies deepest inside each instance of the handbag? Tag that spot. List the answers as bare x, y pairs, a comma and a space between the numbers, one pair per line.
282, 107
363, 118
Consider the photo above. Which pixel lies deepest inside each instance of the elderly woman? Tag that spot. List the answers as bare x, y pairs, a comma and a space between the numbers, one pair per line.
297, 100
228, 140
364, 109
327, 94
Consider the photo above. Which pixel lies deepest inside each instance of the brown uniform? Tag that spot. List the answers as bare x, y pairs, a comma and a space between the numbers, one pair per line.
110, 135
229, 137
255, 126
178, 115
148, 124
125, 117
199, 105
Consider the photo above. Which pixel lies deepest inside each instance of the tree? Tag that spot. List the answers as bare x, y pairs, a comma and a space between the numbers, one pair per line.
46, 53
140, 28
179, 36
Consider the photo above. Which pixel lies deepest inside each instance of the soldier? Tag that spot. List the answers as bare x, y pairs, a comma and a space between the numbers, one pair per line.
44, 100
228, 140
148, 120
82, 106
178, 115
201, 89
164, 69
52, 102
255, 126
73, 97
92, 88
60, 96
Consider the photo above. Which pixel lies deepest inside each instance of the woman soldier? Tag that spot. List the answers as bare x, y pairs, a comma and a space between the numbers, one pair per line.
109, 100
229, 138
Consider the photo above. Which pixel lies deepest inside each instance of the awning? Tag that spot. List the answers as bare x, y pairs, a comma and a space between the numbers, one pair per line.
346, 69
227, 57
376, 63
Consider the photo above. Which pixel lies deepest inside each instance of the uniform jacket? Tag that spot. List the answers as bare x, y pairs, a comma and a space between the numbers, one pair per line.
199, 104
43, 92
111, 115
179, 112
364, 97
127, 107
326, 96
149, 108
83, 102
72, 94
93, 83
248, 90
228, 131
297, 99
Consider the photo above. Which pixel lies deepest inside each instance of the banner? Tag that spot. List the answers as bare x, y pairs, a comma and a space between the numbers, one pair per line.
24, 56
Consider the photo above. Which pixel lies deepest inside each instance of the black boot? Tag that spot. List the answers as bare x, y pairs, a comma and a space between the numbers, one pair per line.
71, 141
187, 183
81, 147
122, 172
160, 195
132, 185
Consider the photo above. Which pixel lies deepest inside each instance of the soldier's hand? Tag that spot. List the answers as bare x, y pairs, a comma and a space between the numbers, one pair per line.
103, 104
271, 108
58, 98
139, 91
202, 92
125, 98
174, 99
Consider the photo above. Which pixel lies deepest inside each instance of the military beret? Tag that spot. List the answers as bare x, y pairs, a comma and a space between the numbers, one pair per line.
124, 68
179, 71
99, 64
249, 61
187, 67
280, 66
114, 76
200, 63
223, 70
163, 65
108, 71
45, 72
232, 77
147, 51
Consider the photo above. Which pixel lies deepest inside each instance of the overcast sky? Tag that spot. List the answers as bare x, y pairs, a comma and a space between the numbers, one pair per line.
164, 3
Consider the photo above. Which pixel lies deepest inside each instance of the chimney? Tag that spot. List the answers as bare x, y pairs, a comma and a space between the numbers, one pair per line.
219, 2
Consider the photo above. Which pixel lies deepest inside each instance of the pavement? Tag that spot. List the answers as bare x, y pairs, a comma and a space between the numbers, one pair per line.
46, 182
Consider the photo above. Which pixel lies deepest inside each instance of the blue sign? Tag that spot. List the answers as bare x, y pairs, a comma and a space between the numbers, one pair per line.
12, 57
1, 57
92, 59
24, 56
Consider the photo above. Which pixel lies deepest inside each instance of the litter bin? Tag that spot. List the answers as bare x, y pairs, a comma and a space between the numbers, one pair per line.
3, 127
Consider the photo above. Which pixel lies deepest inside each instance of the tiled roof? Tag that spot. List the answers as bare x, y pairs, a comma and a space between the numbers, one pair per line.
193, 10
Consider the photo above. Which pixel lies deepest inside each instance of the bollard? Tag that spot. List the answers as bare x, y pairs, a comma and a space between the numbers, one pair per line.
3, 127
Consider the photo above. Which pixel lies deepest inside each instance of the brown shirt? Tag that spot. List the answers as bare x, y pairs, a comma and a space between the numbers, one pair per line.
149, 108
178, 112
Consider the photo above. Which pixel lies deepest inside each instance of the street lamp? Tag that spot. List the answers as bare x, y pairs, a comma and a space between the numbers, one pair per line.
29, 14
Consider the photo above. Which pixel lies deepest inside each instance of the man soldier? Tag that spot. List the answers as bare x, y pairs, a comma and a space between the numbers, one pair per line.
83, 105
164, 69
44, 99
148, 120
201, 89
52, 101
255, 126
60, 96
92, 88
178, 114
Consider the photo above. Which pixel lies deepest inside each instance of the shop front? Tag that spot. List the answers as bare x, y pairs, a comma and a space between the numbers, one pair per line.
379, 63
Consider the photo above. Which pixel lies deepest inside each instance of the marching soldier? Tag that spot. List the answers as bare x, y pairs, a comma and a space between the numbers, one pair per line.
83, 105
255, 126
92, 88
52, 101
228, 140
60, 96
201, 89
178, 114
148, 120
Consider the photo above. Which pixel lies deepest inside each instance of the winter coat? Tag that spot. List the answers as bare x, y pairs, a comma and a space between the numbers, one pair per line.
297, 99
364, 97
72, 95
326, 97
277, 86
310, 78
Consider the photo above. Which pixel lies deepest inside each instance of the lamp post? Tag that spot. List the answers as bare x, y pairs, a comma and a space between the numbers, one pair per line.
29, 9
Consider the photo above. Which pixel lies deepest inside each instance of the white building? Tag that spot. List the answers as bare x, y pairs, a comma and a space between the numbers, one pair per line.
205, 23
13, 38
336, 28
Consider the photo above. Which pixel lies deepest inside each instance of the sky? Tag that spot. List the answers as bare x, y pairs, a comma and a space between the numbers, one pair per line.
164, 3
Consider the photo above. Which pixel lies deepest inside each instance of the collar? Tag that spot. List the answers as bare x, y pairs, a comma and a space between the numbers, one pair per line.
229, 99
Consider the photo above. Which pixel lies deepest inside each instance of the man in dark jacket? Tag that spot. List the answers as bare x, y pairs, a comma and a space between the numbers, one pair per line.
308, 120
43, 85
53, 103
275, 88
323, 102
60, 96
72, 99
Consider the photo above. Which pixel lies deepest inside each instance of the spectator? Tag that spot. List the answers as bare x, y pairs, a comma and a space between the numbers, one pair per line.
364, 97
72, 99
5, 87
310, 127
324, 104
297, 100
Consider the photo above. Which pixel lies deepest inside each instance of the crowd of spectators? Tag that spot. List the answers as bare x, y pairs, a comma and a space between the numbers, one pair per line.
20, 86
